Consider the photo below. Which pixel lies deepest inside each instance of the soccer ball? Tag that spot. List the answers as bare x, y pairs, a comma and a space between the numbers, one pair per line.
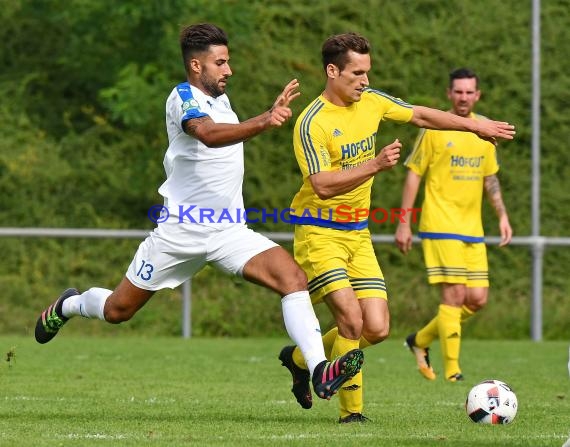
491, 402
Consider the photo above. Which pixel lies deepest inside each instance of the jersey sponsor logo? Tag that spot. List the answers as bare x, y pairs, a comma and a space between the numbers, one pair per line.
459, 161
337, 133
190, 104
325, 157
349, 150
467, 178
345, 166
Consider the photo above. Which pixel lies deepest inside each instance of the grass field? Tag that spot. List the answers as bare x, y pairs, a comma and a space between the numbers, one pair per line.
127, 391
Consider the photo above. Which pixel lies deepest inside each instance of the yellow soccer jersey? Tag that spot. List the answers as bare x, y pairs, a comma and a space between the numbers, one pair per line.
328, 137
454, 165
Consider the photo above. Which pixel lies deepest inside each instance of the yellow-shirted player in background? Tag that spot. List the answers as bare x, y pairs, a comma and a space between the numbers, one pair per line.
334, 143
457, 168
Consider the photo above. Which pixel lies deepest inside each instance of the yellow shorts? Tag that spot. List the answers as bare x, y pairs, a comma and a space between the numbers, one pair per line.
337, 259
456, 262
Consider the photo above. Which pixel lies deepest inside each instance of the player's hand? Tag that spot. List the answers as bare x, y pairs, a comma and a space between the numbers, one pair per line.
489, 130
388, 157
288, 94
280, 111
404, 238
506, 231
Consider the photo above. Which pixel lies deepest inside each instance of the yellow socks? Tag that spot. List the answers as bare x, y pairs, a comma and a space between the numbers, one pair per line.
328, 342
449, 323
350, 395
466, 313
447, 326
298, 358
426, 335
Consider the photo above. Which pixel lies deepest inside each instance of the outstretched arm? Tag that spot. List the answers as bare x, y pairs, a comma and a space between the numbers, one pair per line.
493, 189
220, 134
404, 231
437, 119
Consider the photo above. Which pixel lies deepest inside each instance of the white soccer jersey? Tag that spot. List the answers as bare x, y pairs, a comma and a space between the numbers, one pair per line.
203, 185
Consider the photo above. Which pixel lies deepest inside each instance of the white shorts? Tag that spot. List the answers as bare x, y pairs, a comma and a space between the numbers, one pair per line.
174, 252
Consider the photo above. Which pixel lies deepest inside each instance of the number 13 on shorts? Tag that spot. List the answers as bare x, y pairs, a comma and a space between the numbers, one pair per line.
145, 270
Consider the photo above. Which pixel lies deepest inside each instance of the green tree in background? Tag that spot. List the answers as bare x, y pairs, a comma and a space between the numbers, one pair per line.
83, 85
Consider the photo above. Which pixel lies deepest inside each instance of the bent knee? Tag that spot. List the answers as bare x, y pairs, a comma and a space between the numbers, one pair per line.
476, 306
299, 279
377, 335
291, 281
116, 315
350, 328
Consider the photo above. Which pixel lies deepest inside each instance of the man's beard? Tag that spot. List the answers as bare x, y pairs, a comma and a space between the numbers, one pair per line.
211, 85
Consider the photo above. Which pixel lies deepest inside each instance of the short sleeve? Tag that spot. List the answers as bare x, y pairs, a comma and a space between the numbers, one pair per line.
311, 148
418, 160
190, 107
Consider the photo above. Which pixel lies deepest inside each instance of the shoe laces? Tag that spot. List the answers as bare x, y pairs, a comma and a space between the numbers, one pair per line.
53, 321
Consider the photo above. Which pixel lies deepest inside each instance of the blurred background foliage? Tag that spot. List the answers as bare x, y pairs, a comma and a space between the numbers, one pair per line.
83, 85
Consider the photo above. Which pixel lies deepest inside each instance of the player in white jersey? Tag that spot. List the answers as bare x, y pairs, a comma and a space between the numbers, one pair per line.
217, 185
204, 169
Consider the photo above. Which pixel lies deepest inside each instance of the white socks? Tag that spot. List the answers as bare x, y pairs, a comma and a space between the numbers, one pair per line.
300, 320
303, 327
89, 304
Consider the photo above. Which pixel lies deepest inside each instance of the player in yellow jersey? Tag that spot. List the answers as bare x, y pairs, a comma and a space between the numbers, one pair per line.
334, 143
457, 168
